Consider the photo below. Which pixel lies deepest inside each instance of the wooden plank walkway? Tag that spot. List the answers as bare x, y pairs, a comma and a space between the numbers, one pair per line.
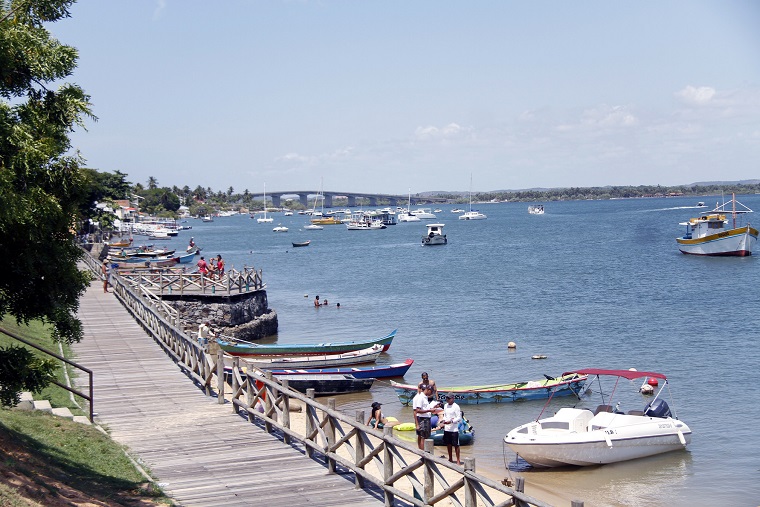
202, 454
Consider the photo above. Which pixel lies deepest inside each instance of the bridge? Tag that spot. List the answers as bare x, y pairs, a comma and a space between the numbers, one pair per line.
304, 196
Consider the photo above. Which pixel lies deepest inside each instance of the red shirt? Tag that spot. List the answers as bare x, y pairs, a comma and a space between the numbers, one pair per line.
220, 266
202, 267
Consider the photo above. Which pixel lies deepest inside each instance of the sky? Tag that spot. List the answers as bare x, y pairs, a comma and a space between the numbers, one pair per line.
398, 96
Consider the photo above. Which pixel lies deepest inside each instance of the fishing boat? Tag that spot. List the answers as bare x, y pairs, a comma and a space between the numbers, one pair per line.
709, 233
566, 385
377, 371
537, 209
368, 355
303, 349
300, 244
472, 215
121, 243
434, 236
265, 219
578, 436
328, 385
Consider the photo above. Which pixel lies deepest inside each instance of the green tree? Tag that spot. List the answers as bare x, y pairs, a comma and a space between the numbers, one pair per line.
41, 187
152, 183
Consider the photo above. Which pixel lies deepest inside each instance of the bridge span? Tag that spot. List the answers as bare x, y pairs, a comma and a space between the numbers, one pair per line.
305, 196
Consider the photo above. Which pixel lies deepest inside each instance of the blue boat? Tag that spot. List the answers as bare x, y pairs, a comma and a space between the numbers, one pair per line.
466, 433
565, 385
381, 371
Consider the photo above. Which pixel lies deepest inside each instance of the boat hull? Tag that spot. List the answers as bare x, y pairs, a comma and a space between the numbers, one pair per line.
434, 240
304, 349
737, 242
327, 385
504, 393
380, 371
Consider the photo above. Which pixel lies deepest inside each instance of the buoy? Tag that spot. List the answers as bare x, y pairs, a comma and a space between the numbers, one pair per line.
652, 381
632, 369
511, 345
647, 389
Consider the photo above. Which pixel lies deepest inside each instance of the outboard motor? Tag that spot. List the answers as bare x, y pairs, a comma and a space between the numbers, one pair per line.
657, 408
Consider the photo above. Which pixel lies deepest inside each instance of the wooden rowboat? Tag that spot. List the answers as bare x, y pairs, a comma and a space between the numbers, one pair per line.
326, 385
565, 385
302, 243
377, 371
302, 349
368, 355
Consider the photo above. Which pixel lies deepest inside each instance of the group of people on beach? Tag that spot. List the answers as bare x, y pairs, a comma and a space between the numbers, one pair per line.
427, 408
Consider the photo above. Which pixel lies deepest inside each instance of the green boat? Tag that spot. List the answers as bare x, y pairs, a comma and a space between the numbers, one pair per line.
302, 349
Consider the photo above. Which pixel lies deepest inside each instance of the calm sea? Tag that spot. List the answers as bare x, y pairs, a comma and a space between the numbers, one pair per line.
588, 284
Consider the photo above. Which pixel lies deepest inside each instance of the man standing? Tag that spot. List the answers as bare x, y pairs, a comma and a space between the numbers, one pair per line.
427, 381
422, 413
452, 416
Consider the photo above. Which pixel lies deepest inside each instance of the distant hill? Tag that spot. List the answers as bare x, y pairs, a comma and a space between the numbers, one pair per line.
433, 193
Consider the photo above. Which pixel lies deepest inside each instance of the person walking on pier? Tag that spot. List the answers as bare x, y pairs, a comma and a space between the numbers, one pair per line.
104, 270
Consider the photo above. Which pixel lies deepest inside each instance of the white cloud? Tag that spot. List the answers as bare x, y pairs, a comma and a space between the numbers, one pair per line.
432, 132
696, 95
159, 10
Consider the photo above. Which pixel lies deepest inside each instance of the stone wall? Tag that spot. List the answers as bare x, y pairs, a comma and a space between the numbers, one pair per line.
244, 316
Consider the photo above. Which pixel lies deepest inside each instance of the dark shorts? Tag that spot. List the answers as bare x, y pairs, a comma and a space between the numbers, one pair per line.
424, 427
451, 438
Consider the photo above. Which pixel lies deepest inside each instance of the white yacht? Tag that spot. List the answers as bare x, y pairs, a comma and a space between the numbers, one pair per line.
434, 236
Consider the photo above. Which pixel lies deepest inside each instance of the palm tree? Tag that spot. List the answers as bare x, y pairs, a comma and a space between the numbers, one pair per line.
152, 183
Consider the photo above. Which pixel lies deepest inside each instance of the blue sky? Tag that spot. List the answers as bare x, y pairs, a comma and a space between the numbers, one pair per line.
397, 95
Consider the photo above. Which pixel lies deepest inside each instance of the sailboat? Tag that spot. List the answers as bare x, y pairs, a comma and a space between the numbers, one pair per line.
472, 215
264, 219
321, 219
408, 216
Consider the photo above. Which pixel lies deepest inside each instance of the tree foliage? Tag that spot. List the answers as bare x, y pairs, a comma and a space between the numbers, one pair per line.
42, 188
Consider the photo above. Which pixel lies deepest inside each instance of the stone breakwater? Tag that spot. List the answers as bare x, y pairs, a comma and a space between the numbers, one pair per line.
244, 316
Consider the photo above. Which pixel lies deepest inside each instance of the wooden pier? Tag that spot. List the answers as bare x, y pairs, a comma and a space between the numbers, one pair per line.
202, 453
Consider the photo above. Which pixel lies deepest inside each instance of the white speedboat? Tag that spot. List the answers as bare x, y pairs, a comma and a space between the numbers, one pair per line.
700, 204
280, 228
434, 236
709, 234
457, 210
313, 227
577, 436
438, 210
537, 209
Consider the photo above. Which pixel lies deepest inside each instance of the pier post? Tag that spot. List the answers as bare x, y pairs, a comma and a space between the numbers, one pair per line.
576, 503
285, 410
520, 488
330, 433
470, 493
309, 423
427, 471
268, 402
387, 466
359, 446
219, 377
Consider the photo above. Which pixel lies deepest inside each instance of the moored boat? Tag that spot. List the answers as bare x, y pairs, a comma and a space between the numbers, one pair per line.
578, 436
368, 355
434, 236
377, 371
301, 243
536, 209
566, 385
466, 433
709, 234
328, 385
303, 349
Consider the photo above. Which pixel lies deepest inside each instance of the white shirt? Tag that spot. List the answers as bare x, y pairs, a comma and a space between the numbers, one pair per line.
204, 331
420, 401
454, 414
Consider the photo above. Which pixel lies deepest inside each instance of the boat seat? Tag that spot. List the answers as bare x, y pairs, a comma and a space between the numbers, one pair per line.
635, 412
603, 408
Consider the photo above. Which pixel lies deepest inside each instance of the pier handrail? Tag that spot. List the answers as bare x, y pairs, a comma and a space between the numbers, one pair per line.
328, 432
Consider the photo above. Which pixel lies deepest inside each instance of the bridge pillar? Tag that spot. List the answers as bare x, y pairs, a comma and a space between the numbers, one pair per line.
328, 200
373, 201
351, 201
304, 200
276, 200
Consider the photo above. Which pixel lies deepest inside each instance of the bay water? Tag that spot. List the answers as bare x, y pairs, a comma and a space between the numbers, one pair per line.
588, 284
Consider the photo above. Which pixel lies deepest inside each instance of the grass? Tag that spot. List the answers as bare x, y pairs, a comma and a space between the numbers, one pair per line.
51, 456
39, 334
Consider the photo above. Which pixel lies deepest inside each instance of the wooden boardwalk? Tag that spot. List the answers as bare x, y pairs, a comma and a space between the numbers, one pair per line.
201, 453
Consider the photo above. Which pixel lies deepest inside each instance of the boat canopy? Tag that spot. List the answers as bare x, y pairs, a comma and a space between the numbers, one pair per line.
629, 374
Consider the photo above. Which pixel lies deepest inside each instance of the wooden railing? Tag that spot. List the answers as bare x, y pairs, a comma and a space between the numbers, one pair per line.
401, 470
162, 282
